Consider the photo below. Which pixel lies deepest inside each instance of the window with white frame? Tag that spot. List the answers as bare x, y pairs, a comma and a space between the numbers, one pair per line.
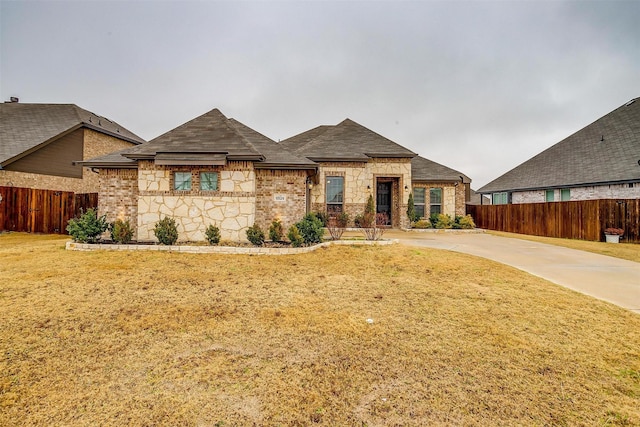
182, 181
500, 198
419, 201
549, 195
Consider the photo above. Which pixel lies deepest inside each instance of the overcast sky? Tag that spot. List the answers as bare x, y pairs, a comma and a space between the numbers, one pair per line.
477, 86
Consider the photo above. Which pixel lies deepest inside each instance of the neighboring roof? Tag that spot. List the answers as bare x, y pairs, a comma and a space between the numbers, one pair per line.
346, 141
427, 170
476, 198
25, 128
605, 152
205, 140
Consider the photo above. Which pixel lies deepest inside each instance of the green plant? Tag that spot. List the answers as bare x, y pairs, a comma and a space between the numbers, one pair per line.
88, 227
323, 217
121, 231
464, 222
337, 224
310, 228
213, 234
370, 208
411, 210
358, 220
255, 235
295, 237
166, 231
422, 223
276, 231
443, 221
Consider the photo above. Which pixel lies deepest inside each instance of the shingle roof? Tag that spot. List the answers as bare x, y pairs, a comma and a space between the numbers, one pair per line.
427, 170
346, 141
26, 127
209, 133
606, 151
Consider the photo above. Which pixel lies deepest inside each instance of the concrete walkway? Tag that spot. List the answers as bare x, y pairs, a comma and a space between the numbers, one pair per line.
610, 279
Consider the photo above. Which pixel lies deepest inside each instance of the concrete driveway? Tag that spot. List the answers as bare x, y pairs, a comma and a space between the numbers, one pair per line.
610, 279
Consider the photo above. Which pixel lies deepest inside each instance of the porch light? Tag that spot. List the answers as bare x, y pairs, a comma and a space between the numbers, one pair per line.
406, 188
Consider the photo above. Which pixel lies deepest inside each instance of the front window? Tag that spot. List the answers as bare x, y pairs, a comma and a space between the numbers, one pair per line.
565, 194
419, 201
435, 200
208, 181
499, 198
182, 181
335, 194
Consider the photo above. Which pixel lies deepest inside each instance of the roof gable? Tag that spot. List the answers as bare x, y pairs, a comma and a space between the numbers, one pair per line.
25, 128
346, 141
606, 151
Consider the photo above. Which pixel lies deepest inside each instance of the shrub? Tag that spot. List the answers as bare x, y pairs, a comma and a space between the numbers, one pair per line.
370, 208
422, 223
213, 234
255, 235
166, 231
464, 222
276, 231
88, 227
358, 220
411, 210
121, 231
337, 224
295, 237
323, 217
443, 221
310, 228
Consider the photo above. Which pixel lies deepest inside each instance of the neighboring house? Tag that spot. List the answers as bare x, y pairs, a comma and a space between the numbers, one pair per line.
39, 144
215, 170
600, 161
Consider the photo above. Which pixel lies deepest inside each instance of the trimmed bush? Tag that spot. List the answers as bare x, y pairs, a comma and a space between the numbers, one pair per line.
295, 237
444, 221
121, 231
310, 228
255, 235
88, 227
166, 231
276, 231
464, 222
411, 210
213, 234
422, 223
323, 217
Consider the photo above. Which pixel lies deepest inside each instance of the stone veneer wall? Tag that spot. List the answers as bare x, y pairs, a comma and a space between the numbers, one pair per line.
280, 194
613, 191
94, 144
118, 196
359, 175
231, 208
453, 196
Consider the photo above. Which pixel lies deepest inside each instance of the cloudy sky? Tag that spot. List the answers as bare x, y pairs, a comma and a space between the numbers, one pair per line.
479, 86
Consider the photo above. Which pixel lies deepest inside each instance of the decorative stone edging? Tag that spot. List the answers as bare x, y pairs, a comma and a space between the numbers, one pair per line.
444, 230
74, 246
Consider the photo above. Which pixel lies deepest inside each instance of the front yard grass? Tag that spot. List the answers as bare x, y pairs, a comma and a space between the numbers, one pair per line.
628, 251
362, 336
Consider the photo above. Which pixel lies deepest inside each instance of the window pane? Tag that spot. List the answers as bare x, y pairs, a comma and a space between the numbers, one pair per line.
335, 189
182, 181
499, 198
418, 195
208, 181
435, 209
549, 196
420, 211
565, 194
435, 195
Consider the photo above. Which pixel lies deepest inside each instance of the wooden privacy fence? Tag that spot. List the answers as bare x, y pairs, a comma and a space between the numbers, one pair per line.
584, 219
41, 211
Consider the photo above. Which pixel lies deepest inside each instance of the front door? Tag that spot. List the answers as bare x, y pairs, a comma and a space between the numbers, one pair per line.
383, 201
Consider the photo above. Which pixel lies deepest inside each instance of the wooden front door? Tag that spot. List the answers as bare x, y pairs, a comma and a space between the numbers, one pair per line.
384, 200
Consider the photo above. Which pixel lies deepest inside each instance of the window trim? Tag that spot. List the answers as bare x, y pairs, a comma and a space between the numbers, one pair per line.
334, 207
432, 205
217, 180
420, 206
504, 195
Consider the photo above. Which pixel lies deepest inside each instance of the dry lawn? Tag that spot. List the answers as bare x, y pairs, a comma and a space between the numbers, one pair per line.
628, 251
116, 338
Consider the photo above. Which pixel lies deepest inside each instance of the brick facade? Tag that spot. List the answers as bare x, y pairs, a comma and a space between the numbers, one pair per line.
612, 191
118, 197
280, 194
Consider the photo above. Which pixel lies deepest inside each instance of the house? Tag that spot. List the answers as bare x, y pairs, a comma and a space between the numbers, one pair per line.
600, 161
216, 170
39, 144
